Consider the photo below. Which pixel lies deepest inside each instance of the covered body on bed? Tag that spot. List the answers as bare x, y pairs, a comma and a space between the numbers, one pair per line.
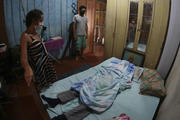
99, 91
138, 107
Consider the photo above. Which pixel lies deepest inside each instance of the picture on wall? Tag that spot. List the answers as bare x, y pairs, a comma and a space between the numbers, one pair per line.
133, 57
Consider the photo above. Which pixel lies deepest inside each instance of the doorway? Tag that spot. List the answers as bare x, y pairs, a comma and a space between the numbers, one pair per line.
96, 13
99, 28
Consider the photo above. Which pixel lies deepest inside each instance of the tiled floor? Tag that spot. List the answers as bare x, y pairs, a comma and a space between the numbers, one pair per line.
22, 106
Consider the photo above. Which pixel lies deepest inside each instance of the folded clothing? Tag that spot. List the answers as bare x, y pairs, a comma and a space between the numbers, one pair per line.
137, 74
152, 83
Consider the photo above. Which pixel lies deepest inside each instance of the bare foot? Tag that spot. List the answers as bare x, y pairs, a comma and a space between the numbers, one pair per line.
83, 57
77, 58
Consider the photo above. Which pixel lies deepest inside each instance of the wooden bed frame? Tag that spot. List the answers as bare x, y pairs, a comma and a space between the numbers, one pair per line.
39, 104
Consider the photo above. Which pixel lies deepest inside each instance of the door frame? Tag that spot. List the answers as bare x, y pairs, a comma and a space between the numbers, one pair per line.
3, 33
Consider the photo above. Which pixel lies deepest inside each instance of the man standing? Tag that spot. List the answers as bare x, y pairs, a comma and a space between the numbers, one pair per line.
80, 30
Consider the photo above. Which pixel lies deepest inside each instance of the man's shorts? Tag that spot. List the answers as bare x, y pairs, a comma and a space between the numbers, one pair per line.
81, 42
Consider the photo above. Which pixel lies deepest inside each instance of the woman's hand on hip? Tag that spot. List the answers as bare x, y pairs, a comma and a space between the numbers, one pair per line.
75, 37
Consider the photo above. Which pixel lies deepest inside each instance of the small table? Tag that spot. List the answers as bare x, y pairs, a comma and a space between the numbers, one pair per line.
54, 46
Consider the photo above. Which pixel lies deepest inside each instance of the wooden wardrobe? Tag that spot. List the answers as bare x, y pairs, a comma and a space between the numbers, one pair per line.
138, 25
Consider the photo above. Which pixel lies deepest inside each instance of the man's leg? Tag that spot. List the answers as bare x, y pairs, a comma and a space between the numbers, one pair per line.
78, 47
83, 46
81, 52
77, 55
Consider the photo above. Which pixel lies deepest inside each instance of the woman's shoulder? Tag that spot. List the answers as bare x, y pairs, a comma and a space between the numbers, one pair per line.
25, 36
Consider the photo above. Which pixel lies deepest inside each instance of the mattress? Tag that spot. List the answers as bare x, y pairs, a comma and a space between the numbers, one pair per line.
130, 102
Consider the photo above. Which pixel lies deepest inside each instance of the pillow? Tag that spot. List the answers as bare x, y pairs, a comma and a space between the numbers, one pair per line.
152, 83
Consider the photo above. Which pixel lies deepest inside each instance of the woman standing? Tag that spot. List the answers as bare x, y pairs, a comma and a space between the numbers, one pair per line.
34, 57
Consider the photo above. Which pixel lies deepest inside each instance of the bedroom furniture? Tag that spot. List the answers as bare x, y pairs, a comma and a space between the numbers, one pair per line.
138, 25
138, 107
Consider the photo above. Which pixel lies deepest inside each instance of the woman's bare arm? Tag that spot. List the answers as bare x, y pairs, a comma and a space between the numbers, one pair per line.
28, 74
24, 58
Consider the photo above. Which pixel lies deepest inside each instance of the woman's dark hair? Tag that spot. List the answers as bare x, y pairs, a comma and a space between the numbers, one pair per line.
33, 15
82, 7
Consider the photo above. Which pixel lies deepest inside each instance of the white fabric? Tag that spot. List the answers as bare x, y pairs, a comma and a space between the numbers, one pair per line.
172, 40
81, 24
135, 105
137, 74
170, 108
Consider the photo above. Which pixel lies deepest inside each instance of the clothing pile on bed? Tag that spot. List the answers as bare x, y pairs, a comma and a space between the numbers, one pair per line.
99, 91
98, 88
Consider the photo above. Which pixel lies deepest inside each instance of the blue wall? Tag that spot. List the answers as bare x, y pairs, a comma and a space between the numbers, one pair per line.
57, 17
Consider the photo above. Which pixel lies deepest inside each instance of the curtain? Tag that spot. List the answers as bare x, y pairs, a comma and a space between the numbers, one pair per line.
170, 108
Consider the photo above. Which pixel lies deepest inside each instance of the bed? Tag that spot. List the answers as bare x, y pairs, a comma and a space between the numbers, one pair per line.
130, 102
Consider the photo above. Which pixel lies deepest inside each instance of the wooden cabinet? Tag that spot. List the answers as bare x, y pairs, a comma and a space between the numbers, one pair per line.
138, 25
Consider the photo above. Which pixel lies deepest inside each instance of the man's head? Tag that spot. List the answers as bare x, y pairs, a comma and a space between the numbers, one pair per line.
82, 10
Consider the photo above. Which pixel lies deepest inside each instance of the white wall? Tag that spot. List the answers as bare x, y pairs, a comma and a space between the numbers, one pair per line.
172, 41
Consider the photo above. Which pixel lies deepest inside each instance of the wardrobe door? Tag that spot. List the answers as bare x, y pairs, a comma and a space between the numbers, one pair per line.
145, 26
110, 27
133, 23
158, 33
139, 25
121, 27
